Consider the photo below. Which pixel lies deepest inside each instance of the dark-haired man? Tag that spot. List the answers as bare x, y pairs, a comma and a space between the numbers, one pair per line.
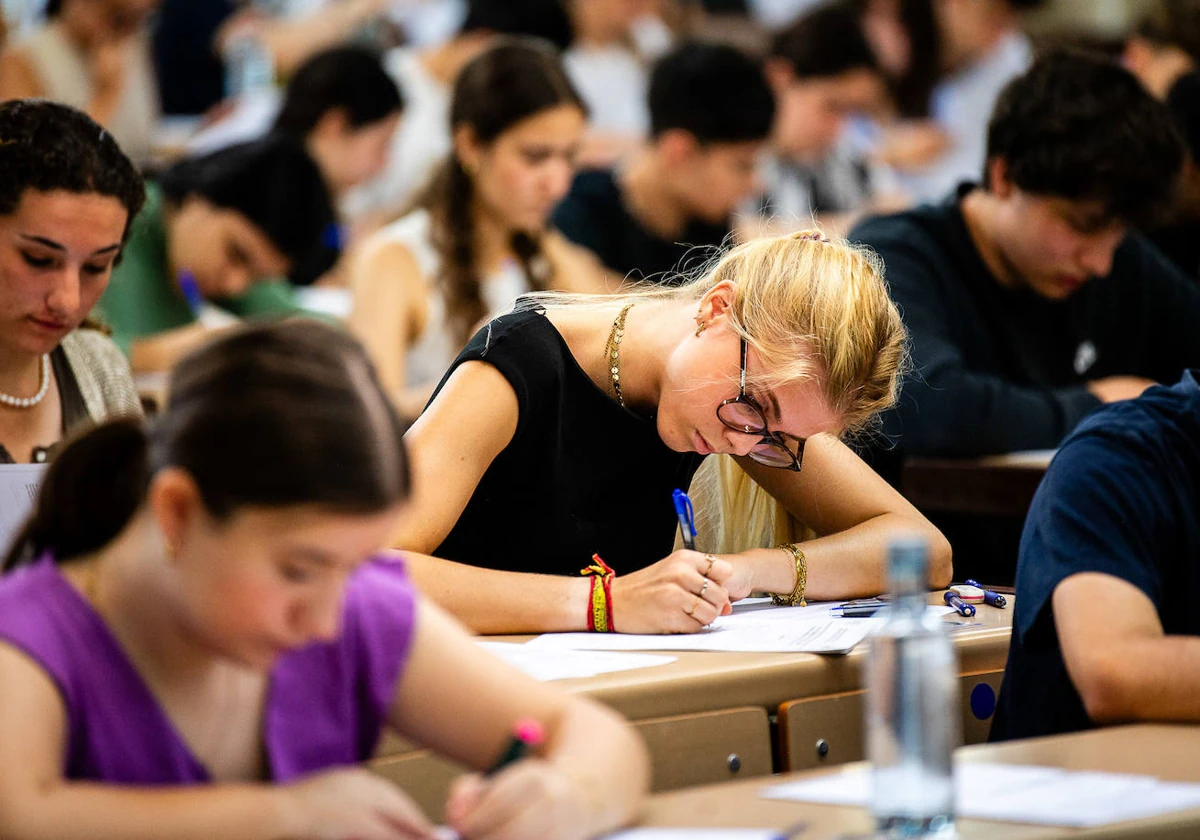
1028, 300
710, 113
822, 71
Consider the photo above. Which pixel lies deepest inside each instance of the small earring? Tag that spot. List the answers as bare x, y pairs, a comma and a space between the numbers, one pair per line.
700, 326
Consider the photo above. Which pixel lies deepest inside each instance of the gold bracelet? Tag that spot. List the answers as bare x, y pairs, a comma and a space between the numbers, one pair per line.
796, 599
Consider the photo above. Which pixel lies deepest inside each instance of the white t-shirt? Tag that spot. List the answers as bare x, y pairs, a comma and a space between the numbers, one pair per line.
962, 104
613, 82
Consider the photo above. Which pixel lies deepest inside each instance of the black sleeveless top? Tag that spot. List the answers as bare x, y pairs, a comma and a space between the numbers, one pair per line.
582, 475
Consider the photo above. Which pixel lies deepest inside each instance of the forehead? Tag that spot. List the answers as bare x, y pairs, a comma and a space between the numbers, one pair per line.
1088, 210
732, 153
72, 219
803, 409
561, 124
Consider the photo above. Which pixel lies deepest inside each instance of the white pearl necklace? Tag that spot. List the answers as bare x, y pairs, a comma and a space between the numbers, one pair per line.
30, 402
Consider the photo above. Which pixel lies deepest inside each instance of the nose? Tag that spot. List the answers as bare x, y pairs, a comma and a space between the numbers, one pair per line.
559, 174
740, 443
319, 618
1097, 253
63, 297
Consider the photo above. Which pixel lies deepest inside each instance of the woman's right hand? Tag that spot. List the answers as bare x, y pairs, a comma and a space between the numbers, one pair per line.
671, 596
351, 804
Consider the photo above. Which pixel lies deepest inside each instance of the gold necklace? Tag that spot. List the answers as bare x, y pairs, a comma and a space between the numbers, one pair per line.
612, 352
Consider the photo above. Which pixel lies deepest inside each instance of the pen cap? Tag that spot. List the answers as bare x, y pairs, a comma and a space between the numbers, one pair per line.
907, 561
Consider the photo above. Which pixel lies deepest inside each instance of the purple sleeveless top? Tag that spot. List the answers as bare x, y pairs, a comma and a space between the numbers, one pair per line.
326, 704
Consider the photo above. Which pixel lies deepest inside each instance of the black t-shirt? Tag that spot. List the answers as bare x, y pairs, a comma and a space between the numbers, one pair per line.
594, 215
1001, 370
582, 475
191, 75
71, 404
1122, 497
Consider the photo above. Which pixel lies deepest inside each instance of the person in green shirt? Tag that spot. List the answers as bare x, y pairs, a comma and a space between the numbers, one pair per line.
221, 237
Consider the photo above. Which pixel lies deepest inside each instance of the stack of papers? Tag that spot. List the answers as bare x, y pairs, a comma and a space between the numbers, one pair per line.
18, 494
1022, 794
545, 664
753, 628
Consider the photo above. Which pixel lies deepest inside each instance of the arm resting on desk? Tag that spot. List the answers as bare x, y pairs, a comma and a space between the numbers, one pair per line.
1122, 664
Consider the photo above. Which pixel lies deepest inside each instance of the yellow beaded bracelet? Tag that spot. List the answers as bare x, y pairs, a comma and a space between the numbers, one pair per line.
796, 599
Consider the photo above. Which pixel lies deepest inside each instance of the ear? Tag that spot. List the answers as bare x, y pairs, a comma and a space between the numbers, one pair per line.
716, 303
176, 504
997, 178
333, 123
467, 148
779, 74
677, 146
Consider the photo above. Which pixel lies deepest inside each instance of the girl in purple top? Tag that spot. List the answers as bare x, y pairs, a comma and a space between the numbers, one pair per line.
198, 607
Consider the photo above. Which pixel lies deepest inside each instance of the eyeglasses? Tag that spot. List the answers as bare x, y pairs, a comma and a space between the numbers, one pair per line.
743, 414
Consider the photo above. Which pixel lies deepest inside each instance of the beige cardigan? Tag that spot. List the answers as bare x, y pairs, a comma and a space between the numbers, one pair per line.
102, 373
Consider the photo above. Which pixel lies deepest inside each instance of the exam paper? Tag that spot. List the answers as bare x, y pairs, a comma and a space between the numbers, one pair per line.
548, 664
696, 834
1017, 793
18, 493
759, 629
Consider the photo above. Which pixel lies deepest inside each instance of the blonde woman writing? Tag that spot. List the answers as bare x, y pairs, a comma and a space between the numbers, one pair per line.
562, 428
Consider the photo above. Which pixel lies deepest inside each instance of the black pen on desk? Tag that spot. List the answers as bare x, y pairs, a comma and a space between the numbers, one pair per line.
992, 599
527, 734
858, 609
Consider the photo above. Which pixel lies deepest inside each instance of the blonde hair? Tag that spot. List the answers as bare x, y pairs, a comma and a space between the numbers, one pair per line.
811, 306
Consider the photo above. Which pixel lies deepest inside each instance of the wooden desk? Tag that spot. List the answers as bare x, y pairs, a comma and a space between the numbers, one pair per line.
1000, 485
706, 717
1168, 752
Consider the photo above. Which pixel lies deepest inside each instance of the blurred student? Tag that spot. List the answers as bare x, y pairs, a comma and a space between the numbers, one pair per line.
478, 237
982, 48
823, 73
93, 55
426, 76
209, 647
563, 427
340, 103
1105, 629
1165, 44
1174, 233
1029, 300
710, 116
229, 234
67, 198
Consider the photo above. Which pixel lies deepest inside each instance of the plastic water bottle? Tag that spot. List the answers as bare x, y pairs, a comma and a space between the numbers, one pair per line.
912, 714
249, 67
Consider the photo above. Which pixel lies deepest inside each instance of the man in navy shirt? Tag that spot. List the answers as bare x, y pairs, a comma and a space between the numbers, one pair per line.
1106, 627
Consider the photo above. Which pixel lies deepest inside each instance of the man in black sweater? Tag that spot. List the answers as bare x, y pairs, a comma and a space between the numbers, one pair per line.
1029, 301
710, 114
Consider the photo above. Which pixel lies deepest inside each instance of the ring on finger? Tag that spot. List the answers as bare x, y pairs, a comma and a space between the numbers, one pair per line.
703, 588
711, 560
692, 612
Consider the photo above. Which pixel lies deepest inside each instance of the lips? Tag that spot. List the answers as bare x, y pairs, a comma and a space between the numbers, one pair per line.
50, 324
701, 445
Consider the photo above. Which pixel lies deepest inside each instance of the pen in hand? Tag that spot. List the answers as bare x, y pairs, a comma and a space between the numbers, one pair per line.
527, 734
687, 519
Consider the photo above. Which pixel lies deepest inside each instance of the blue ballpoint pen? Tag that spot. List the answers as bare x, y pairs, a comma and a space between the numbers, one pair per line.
687, 519
992, 599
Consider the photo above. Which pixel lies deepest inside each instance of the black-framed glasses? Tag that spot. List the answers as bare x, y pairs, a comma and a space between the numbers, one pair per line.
743, 414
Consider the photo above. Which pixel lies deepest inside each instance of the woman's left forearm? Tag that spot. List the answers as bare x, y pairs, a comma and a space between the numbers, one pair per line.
848, 564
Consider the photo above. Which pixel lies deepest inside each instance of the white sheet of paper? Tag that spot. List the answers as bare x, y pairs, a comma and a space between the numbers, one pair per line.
695, 834
18, 493
1017, 793
759, 629
548, 664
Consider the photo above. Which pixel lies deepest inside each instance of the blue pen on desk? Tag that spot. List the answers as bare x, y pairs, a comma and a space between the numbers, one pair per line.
687, 519
191, 291
959, 604
992, 599
527, 734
